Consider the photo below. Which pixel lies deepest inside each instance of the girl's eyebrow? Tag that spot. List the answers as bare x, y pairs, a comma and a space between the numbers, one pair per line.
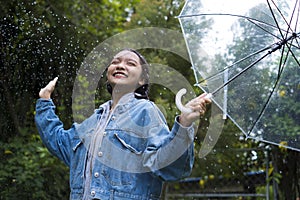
127, 59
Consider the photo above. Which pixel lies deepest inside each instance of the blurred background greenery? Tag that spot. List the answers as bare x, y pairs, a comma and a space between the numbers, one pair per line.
42, 39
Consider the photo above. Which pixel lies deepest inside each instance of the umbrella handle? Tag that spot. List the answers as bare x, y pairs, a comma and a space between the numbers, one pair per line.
179, 105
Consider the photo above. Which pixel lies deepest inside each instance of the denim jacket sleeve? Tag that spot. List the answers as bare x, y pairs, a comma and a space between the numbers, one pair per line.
56, 139
170, 155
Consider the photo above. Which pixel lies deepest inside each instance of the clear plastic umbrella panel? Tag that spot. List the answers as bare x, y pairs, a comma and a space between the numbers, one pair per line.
252, 63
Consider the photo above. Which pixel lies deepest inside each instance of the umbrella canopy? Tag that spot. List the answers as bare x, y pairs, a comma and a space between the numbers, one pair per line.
253, 63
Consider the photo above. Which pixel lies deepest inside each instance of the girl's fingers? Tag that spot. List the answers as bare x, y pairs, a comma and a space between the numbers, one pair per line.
51, 85
198, 106
46, 91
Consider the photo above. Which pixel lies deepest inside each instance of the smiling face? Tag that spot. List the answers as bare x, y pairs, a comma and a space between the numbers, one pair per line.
124, 72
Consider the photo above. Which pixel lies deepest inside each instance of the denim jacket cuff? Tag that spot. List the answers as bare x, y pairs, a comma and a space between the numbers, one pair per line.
42, 101
42, 104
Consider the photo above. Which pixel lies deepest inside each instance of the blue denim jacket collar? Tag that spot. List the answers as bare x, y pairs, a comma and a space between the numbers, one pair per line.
124, 103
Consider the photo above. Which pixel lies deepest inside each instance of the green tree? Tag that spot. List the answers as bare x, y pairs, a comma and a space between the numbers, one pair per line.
39, 41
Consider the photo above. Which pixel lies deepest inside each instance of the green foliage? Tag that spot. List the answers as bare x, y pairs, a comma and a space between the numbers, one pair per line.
97, 18
28, 171
285, 172
156, 14
41, 39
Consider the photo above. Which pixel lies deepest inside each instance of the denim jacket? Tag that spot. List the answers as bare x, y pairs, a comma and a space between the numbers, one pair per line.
137, 152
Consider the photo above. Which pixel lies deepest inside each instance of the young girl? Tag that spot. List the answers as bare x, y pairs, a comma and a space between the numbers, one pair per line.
124, 150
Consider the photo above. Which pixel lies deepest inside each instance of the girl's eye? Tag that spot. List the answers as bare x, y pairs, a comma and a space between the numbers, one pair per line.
114, 62
131, 64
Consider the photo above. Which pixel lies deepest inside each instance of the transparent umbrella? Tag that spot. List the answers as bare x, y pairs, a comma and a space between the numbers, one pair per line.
253, 65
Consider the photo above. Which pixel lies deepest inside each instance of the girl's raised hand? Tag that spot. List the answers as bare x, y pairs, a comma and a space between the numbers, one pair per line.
46, 92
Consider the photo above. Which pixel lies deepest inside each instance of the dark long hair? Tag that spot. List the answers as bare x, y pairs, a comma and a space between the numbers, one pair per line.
141, 92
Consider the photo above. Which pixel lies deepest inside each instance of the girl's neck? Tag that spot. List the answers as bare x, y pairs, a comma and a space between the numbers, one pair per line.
116, 96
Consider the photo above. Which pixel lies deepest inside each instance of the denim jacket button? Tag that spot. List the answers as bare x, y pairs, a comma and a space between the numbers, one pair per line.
93, 193
104, 133
100, 153
113, 118
96, 174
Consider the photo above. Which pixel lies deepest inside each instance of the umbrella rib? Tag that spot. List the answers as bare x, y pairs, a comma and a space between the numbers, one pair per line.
274, 48
237, 62
288, 46
241, 72
293, 55
281, 62
297, 19
285, 20
273, 34
288, 23
232, 15
294, 10
267, 102
297, 41
256, 24
274, 18
280, 71
298, 14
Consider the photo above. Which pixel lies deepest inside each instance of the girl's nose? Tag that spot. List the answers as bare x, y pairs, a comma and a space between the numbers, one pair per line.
120, 66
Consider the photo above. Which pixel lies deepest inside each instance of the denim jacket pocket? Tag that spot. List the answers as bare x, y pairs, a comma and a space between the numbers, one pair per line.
128, 146
77, 164
76, 142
